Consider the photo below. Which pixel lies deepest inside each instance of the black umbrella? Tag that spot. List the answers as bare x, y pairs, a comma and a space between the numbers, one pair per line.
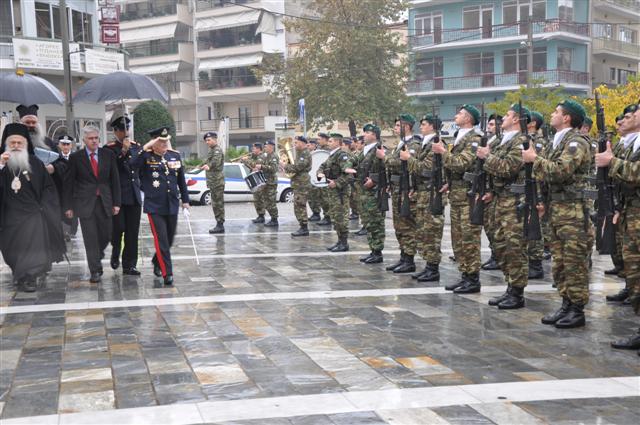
118, 86
27, 89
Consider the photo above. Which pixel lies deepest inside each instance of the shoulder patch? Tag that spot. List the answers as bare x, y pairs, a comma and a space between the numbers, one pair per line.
573, 147
345, 157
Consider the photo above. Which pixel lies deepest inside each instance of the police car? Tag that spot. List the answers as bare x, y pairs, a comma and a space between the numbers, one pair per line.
235, 188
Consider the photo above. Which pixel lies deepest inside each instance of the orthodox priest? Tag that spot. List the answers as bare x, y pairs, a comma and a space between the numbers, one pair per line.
31, 236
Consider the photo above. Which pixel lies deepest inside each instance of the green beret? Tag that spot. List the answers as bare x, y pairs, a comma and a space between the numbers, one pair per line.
524, 111
574, 107
473, 111
620, 117
588, 121
433, 120
408, 118
371, 127
537, 116
335, 135
630, 109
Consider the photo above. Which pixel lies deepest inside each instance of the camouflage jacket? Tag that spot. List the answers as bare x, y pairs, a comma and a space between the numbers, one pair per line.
627, 172
392, 160
300, 169
270, 163
505, 163
457, 162
421, 166
369, 166
215, 161
334, 168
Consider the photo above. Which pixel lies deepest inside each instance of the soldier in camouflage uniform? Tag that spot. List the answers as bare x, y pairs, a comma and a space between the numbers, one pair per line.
358, 157
504, 166
253, 159
338, 190
405, 227
323, 145
429, 227
269, 163
351, 147
564, 172
488, 222
314, 192
214, 167
627, 173
370, 169
465, 237
300, 183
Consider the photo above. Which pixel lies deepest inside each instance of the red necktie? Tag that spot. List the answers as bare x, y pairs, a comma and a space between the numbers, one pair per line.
94, 166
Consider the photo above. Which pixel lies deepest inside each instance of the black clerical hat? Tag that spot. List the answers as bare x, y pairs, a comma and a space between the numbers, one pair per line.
23, 110
13, 129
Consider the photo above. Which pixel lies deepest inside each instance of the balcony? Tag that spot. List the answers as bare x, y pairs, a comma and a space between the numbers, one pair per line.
495, 82
158, 15
185, 128
247, 124
622, 49
217, 4
625, 7
157, 52
128, 14
496, 34
226, 89
153, 48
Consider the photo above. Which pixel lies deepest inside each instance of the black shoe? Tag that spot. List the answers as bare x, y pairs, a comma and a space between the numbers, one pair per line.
272, 223
535, 269
27, 285
491, 264
168, 280
614, 270
552, 318
619, 297
354, 216
453, 286
471, 285
95, 277
302, 231
115, 263
131, 271
497, 300
218, 229
432, 274
361, 232
452, 258
156, 270
420, 273
259, 219
573, 319
67, 238
546, 254
342, 246
363, 259
630, 343
314, 217
514, 299
407, 267
326, 221
396, 264
374, 258
330, 248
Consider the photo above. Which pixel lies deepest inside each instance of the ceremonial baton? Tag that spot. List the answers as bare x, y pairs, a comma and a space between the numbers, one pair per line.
187, 214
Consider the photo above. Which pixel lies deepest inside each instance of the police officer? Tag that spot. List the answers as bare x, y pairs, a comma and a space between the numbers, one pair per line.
300, 183
214, 166
162, 173
127, 222
65, 146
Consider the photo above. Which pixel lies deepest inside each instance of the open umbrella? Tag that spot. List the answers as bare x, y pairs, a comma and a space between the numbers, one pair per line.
27, 89
120, 85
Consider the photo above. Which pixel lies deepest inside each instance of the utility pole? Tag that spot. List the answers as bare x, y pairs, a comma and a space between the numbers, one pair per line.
66, 57
530, 48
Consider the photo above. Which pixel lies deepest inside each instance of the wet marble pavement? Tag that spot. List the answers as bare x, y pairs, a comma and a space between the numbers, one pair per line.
274, 330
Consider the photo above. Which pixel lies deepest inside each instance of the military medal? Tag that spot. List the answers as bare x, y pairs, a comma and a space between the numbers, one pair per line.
155, 174
156, 183
15, 184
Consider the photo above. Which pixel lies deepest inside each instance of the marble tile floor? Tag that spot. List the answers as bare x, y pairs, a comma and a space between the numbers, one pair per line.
271, 329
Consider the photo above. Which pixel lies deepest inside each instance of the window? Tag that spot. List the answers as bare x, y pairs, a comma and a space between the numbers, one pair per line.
627, 35
471, 17
6, 21
244, 117
565, 10
275, 109
603, 30
427, 23
564, 58
624, 74
539, 59
81, 27
429, 68
513, 62
233, 171
515, 11
612, 74
228, 37
43, 20
478, 63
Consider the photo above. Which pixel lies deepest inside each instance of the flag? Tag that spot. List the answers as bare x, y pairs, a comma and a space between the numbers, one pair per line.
302, 117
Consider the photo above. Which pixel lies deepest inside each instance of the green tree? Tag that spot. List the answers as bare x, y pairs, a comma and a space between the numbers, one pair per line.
348, 65
149, 115
234, 152
536, 98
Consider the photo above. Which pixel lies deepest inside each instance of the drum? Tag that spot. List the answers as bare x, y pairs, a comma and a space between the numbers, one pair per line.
255, 181
317, 158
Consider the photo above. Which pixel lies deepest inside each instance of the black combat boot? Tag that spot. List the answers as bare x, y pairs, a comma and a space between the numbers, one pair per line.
364, 259
630, 343
573, 319
376, 257
314, 217
432, 274
491, 263
168, 280
394, 265
302, 231
535, 269
259, 219
272, 223
342, 246
471, 285
514, 299
546, 254
552, 318
420, 273
362, 231
326, 221
407, 267
354, 216
615, 270
497, 300
330, 248
27, 284
619, 297
458, 284
218, 229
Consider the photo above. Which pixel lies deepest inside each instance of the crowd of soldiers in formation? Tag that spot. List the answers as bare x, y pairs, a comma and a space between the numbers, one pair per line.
528, 181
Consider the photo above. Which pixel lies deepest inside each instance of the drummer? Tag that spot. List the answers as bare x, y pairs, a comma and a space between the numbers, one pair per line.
251, 162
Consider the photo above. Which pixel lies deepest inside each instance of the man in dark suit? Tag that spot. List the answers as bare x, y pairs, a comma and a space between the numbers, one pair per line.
127, 222
92, 193
61, 165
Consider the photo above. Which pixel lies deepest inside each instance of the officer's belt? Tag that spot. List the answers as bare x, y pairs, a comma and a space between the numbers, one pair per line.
512, 189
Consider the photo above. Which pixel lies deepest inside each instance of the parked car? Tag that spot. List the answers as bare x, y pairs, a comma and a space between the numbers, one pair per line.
235, 188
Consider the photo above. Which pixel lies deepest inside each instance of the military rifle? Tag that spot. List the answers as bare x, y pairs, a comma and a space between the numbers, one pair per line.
404, 206
436, 206
528, 211
382, 193
478, 179
606, 199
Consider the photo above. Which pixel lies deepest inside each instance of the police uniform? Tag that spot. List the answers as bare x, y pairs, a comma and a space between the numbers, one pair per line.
127, 222
164, 189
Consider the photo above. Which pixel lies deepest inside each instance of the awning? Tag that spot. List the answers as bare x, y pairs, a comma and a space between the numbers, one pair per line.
157, 32
159, 68
230, 61
227, 21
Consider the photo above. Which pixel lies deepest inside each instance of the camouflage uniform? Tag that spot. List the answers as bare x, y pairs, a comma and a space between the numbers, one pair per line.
564, 171
619, 151
258, 202
338, 197
370, 215
270, 164
313, 198
465, 237
488, 218
429, 227
536, 248
323, 191
354, 199
215, 181
300, 184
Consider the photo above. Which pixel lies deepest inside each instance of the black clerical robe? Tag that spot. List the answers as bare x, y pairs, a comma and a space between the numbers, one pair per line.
31, 237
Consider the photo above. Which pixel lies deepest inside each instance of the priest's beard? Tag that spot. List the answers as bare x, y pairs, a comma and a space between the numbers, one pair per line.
19, 161
37, 137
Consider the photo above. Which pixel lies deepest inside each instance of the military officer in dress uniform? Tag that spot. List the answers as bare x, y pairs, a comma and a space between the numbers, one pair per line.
127, 222
164, 186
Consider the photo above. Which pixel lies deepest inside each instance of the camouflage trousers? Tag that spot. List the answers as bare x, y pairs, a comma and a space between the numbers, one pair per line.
536, 248
631, 249
265, 199
429, 229
372, 219
324, 201
339, 209
617, 257
300, 196
217, 201
313, 198
354, 199
465, 239
405, 227
509, 244
571, 244
489, 223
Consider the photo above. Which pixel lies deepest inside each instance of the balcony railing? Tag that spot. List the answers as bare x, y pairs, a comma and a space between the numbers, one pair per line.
616, 46
152, 12
440, 36
246, 123
631, 4
215, 4
217, 83
169, 85
554, 76
153, 48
